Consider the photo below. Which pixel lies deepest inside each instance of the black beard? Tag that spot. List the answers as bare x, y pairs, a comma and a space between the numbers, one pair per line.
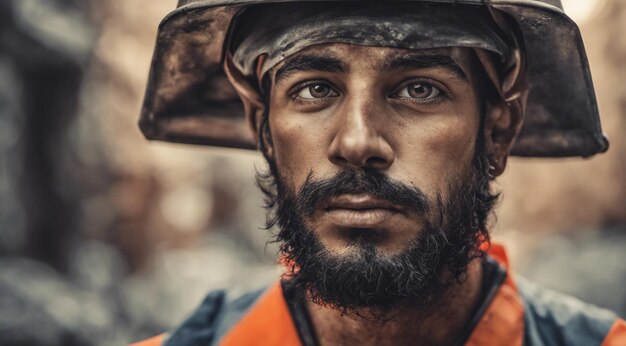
364, 282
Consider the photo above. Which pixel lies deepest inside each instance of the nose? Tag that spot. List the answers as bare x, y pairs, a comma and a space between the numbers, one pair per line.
359, 141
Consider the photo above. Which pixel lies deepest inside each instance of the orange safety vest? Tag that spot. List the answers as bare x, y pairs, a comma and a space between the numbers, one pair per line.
269, 322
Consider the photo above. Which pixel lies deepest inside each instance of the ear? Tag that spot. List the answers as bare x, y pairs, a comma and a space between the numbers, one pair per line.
505, 114
250, 96
503, 123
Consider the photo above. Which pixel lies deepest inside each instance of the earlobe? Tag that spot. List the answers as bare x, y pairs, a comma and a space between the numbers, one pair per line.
264, 140
503, 123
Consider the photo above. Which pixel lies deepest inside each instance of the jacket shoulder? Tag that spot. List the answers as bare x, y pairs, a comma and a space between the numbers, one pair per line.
153, 341
617, 334
553, 318
217, 313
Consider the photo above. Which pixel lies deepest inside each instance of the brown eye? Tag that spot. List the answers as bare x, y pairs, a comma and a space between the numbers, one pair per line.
316, 91
420, 91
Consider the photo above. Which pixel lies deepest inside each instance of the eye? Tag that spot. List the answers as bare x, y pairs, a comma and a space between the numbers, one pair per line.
419, 91
316, 91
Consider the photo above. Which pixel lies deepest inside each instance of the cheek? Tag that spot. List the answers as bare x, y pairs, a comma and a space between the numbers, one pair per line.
297, 149
453, 142
436, 151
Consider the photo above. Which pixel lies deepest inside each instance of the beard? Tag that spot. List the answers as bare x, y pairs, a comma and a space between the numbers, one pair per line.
362, 281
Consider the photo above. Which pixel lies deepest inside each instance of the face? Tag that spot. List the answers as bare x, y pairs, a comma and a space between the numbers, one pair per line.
377, 176
411, 116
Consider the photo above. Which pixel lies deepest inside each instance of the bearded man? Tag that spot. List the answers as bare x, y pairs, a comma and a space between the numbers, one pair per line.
383, 124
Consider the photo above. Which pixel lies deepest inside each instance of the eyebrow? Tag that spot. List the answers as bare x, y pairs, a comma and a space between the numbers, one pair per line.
411, 62
310, 63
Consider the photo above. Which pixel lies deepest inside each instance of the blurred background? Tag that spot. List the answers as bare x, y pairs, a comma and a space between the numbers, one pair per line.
106, 238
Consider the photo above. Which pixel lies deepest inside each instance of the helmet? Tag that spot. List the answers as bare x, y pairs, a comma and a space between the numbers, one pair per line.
190, 100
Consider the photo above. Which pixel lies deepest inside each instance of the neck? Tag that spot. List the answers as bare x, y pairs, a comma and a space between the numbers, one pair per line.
439, 323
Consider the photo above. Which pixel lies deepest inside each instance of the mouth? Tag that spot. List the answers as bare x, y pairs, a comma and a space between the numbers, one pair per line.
360, 211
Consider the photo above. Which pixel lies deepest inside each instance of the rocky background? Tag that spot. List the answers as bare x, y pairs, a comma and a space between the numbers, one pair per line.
106, 238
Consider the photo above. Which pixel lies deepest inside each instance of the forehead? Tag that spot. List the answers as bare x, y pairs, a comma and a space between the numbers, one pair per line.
346, 58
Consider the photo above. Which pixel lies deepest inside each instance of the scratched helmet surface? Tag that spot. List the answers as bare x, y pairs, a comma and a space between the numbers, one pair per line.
190, 100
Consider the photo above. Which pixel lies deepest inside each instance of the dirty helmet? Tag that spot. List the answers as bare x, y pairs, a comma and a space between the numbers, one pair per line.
189, 99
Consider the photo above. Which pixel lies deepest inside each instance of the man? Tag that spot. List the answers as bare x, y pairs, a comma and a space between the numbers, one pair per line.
383, 124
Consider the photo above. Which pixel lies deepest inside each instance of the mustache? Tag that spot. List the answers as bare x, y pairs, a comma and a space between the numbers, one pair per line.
362, 181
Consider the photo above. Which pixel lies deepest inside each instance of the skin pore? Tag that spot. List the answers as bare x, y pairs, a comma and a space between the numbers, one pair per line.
411, 115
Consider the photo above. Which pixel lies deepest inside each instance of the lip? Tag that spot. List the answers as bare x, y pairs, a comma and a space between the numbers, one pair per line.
359, 211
